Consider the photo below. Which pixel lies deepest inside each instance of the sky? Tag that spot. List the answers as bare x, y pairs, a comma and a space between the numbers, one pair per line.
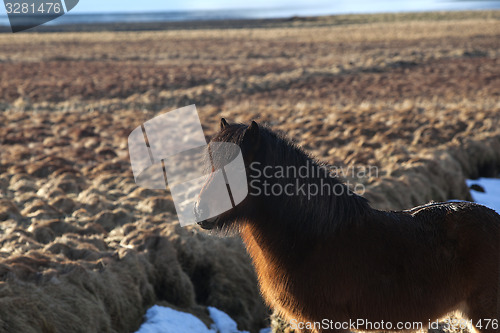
89, 6
278, 8
302, 6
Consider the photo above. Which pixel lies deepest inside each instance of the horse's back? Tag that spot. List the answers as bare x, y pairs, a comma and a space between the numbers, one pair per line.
462, 213
472, 226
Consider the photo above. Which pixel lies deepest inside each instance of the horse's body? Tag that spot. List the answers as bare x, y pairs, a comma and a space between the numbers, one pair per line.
334, 258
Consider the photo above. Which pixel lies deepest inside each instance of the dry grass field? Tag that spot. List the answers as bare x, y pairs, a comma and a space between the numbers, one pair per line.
83, 249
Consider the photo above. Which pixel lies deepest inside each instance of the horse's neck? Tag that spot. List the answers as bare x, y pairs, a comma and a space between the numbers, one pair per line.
271, 250
267, 259
279, 242
304, 211
276, 256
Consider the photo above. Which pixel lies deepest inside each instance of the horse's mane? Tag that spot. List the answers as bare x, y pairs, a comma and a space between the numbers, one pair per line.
318, 214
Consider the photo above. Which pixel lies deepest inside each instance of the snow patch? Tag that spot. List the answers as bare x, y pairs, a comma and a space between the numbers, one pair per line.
222, 322
160, 319
491, 196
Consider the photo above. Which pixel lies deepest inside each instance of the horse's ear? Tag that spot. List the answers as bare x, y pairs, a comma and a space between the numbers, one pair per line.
251, 135
252, 130
251, 142
223, 123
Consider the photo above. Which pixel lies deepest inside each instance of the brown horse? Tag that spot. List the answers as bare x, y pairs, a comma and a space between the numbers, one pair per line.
329, 262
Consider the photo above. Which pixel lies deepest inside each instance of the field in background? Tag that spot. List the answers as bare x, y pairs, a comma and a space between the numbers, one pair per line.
416, 95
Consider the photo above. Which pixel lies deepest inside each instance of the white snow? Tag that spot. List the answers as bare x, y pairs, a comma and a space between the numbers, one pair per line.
160, 319
491, 197
222, 322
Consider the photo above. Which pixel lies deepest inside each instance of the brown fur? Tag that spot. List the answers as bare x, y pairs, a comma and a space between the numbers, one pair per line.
336, 258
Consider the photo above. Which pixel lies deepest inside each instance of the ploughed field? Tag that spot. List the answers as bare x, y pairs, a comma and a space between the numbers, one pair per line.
412, 98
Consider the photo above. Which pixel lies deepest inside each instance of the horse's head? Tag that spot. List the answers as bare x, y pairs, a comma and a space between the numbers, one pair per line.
248, 138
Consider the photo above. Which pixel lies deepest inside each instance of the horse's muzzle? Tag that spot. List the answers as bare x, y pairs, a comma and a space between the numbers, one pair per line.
208, 224
199, 210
